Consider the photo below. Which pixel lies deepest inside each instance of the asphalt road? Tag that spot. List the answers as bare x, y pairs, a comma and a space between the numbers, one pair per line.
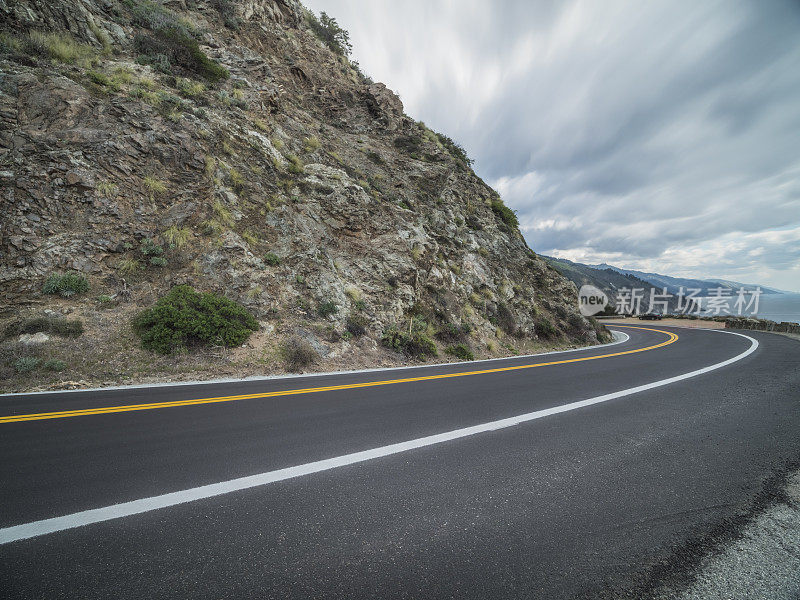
610, 499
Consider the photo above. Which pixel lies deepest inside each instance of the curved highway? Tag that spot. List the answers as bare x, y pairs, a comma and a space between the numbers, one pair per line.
602, 472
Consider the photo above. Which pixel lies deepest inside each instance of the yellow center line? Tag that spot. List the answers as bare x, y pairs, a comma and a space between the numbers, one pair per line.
151, 406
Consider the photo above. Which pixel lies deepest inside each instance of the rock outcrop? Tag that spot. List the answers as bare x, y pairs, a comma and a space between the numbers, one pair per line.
117, 125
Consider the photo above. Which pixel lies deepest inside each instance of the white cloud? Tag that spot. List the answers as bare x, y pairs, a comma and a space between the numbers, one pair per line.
649, 132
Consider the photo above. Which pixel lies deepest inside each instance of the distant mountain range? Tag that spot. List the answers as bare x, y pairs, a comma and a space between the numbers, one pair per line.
673, 284
610, 279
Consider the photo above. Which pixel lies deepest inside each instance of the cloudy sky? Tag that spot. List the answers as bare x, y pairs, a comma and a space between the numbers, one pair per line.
660, 135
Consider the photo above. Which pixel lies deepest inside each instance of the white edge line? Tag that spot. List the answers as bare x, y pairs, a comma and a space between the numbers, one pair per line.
617, 336
126, 509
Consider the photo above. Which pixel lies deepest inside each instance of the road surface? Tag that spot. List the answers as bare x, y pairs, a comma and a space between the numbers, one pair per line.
604, 472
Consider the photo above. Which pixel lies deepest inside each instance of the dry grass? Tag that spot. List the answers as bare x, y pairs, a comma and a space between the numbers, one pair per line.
698, 324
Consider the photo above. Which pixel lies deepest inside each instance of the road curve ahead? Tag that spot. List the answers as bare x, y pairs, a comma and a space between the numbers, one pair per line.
603, 472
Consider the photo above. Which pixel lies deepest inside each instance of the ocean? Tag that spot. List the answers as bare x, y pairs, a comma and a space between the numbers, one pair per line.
775, 307
779, 307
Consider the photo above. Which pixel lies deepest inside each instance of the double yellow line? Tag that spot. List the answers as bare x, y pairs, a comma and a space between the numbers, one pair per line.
152, 406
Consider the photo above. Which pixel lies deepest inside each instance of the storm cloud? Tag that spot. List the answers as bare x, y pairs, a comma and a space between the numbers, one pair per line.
660, 136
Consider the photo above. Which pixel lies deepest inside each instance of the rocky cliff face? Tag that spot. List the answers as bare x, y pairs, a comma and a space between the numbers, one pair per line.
264, 165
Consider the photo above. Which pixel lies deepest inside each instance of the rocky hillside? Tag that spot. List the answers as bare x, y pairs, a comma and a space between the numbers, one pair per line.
232, 146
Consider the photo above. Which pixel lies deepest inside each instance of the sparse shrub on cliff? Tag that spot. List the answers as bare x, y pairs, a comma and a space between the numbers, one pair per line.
129, 266
330, 33
65, 285
415, 344
185, 318
150, 248
295, 165
53, 325
54, 365
189, 88
357, 325
177, 237
326, 309
545, 329
9, 44
107, 189
172, 46
158, 261
298, 354
223, 214
603, 334
26, 364
226, 10
375, 157
154, 186
505, 319
449, 332
271, 259
102, 80
456, 151
237, 179
172, 41
410, 144
353, 293
460, 351
508, 216
311, 143
57, 46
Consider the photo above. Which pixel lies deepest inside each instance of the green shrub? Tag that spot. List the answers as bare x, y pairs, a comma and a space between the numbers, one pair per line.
326, 309
328, 31
53, 325
375, 157
150, 248
410, 144
311, 143
603, 334
508, 216
450, 332
102, 79
456, 151
298, 354
129, 266
189, 88
59, 47
460, 351
505, 319
178, 237
172, 45
154, 186
158, 261
356, 325
415, 344
295, 165
227, 11
237, 179
65, 285
545, 328
185, 318
55, 365
271, 259
26, 364
9, 44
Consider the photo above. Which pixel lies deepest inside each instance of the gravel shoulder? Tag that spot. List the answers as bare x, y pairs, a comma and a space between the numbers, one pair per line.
762, 563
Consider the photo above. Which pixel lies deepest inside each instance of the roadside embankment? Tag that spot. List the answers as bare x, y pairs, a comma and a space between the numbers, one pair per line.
699, 324
762, 325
